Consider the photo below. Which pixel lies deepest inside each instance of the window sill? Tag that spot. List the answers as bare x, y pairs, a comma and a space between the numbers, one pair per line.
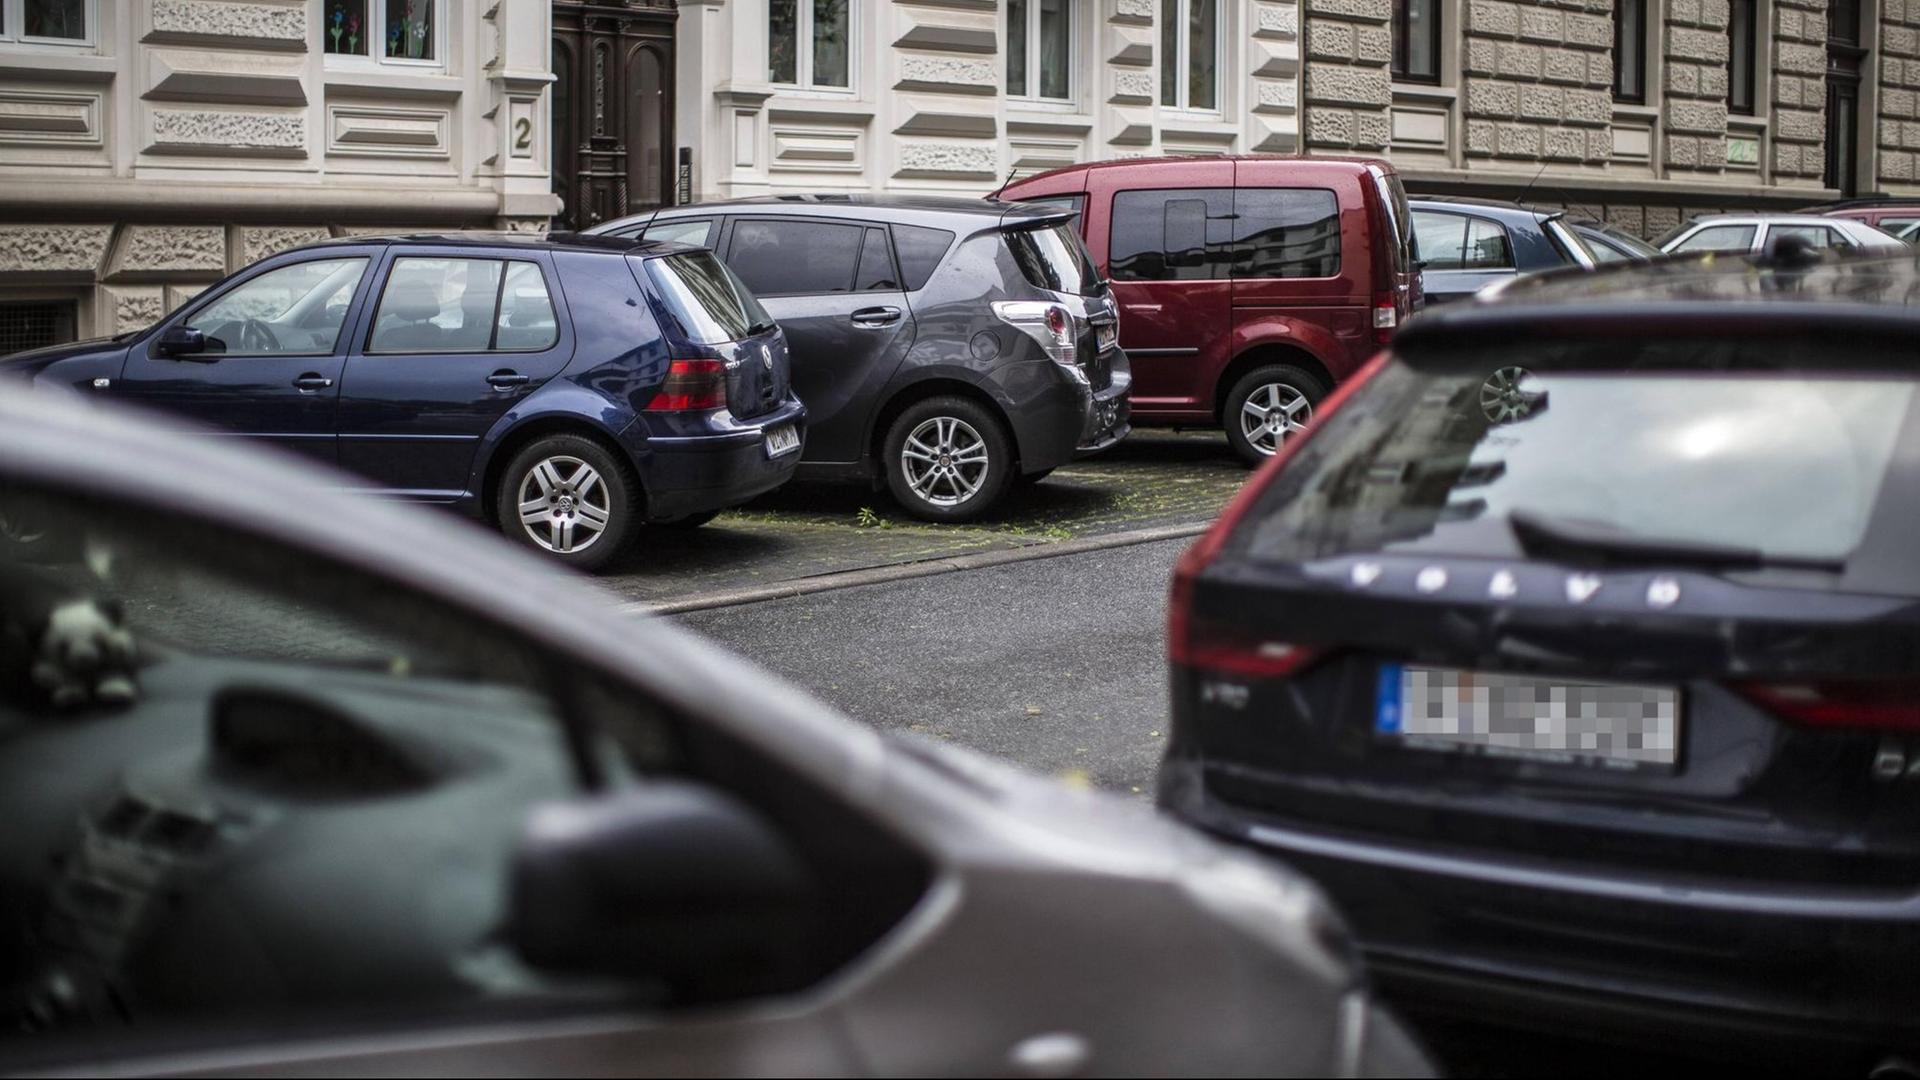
65, 65
785, 105
375, 80
1623, 110
1045, 106
1427, 92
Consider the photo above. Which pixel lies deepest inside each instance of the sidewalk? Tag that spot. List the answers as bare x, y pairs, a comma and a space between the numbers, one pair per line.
1153, 479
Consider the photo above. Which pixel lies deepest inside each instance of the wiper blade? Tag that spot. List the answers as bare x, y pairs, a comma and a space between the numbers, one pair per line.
762, 327
1576, 540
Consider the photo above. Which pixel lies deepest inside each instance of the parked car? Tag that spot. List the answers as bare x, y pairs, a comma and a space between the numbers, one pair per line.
1896, 216
1467, 244
1248, 286
566, 390
1608, 244
303, 783
944, 347
1755, 234
1588, 727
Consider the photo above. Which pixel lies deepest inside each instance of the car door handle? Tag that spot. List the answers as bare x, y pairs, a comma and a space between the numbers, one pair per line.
507, 380
875, 317
312, 381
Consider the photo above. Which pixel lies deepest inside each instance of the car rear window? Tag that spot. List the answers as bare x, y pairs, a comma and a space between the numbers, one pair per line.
1723, 443
920, 250
1053, 258
704, 299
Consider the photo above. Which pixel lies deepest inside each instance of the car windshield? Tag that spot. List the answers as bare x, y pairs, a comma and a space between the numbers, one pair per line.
706, 301
1679, 445
1053, 258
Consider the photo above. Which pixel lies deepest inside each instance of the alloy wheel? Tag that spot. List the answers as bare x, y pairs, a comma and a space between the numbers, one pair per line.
1501, 399
564, 504
1272, 414
945, 461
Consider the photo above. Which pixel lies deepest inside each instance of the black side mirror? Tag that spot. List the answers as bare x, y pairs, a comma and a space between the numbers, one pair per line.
673, 882
179, 341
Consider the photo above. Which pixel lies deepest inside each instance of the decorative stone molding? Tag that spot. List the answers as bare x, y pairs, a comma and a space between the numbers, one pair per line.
54, 249
372, 130
179, 75
257, 243
948, 39
950, 125
137, 308
230, 22
935, 160
153, 252
50, 118
182, 131
948, 74
817, 149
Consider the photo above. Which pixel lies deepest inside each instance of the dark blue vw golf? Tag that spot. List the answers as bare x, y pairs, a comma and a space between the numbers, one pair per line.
567, 388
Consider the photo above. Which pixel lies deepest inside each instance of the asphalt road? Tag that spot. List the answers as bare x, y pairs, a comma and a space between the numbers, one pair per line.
1058, 664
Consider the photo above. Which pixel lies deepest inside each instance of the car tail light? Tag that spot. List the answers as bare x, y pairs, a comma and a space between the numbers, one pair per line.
1202, 643
1881, 704
1386, 317
691, 385
1182, 641
1048, 323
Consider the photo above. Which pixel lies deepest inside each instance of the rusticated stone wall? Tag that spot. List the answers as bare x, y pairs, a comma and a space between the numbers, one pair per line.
1349, 87
1538, 80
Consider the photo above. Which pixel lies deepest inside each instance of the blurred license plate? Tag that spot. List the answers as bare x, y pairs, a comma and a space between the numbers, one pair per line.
1610, 725
1104, 336
784, 439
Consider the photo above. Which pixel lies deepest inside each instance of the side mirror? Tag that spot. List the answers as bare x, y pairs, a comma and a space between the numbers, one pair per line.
180, 341
673, 882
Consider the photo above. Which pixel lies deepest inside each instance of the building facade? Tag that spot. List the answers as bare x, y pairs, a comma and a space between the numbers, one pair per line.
149, 147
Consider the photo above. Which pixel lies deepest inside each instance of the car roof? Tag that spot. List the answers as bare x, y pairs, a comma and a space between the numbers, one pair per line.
950, 211
1710, 292
1756, 218
1495, 208
1342, 164
553, 241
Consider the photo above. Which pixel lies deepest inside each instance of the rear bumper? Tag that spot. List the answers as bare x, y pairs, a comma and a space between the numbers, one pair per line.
1561, 945
1058, 416
714, 465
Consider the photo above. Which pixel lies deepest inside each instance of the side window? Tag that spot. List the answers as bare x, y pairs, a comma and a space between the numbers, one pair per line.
777, 258
1442, 238
1487, 246
1735, 238
685, 230
437, 305
296, 310
1286, 233
921, 250
1171, 235
1604, 252
526, 320
876, 264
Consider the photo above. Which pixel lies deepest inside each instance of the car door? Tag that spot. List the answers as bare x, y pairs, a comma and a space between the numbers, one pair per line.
1168, 254
1464, 253
1819, 237
457, 339
832, 285
275, 348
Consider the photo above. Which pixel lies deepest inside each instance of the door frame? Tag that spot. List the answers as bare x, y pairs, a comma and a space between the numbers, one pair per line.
602, 40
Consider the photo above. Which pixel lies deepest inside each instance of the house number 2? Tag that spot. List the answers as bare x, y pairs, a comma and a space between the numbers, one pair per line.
520, 122
523, 134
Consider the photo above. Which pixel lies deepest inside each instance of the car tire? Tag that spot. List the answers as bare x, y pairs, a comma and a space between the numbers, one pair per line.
28, 535
546, 501
1268, 406
959, 463
691, 521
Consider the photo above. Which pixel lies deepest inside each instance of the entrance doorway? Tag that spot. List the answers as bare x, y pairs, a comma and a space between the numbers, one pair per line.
612, 108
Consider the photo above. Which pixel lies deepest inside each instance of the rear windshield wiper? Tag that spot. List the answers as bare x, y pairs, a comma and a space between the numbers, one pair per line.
762, 327
1576, 540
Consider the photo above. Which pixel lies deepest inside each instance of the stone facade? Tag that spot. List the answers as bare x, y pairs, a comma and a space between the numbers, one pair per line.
1799, 90
184, 139
928, 107
1899, 114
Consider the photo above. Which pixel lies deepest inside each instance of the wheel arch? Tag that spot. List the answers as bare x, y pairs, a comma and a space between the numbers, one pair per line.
914, 393
1258, 356
517, 439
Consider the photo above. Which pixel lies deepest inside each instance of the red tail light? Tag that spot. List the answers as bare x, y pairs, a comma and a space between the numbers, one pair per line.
1182, 643
1198, 643
1386, 317
691, 385
1880, 704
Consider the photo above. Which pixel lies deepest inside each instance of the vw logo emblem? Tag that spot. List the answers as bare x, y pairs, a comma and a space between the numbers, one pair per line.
766, 357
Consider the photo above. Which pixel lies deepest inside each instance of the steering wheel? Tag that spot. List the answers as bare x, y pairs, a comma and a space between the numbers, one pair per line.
257, 336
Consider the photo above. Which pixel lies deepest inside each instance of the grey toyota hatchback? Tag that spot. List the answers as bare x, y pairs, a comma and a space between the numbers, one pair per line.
946, 348
297, 782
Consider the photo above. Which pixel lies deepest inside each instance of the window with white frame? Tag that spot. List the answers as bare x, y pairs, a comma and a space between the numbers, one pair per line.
1040, 49
810, 43
1190, 54
47, 22
383, 31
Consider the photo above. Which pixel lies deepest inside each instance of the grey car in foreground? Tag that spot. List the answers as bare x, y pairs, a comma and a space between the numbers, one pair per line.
295, 782
944, 348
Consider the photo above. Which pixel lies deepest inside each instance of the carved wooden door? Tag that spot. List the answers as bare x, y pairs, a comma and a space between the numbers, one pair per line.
612, 108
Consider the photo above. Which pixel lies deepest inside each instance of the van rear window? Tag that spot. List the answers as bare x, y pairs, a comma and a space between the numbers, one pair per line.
1054, 258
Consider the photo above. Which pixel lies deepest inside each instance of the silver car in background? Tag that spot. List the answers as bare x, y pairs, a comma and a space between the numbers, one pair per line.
1756, 234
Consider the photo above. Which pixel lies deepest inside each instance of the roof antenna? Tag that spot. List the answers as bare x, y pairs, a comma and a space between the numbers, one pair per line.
1529, 188
1011, 173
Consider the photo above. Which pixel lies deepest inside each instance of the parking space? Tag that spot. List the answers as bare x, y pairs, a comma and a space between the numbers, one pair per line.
1156, 478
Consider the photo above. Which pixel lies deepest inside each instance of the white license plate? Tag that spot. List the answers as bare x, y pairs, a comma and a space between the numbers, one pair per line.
1105, 336
1606, 724
784, 439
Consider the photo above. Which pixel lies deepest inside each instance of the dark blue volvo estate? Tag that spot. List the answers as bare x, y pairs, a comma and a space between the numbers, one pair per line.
567, 388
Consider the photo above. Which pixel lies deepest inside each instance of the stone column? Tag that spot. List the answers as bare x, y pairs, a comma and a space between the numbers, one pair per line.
1697, 52
1349, 88
1799, 92
1899, 122
1538, 82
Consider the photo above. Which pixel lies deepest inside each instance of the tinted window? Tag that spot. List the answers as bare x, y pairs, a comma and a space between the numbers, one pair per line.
777, 258
1054, 258
1286, 233
1172, 235
704, 299
1820, 236
921, 250
1393, 195
1435, 457
1604, 252
526, 311
295, 310
876, 264
1461, 242
685, 230
437, 305
1719, 238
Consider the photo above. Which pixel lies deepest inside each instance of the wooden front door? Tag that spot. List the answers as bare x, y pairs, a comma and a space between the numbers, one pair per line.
612, 108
